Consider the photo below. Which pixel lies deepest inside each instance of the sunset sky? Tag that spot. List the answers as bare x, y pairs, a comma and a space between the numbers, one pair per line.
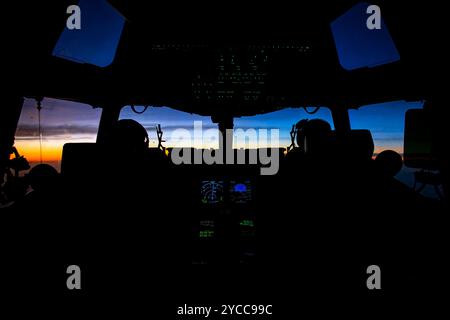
65, 121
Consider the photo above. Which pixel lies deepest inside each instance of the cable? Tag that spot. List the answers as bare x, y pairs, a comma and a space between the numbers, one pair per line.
39, 108
138, 112
311, 112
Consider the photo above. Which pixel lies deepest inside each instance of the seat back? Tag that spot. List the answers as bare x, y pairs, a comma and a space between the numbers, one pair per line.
356, 146
80, 160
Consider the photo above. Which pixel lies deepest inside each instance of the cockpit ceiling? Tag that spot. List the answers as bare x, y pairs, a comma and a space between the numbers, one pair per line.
229, 58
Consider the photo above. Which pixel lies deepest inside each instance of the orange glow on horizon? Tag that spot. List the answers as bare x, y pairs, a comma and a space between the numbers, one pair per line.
30, 149
52, 149
396, 148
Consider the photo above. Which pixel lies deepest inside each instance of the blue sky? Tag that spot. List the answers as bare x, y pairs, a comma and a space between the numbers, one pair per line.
386, 122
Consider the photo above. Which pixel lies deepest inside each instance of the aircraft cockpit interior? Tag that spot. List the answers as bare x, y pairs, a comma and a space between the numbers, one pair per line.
218, 153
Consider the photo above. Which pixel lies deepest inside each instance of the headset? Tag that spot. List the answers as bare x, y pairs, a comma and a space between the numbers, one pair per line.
310, 128
131, 131
299, 133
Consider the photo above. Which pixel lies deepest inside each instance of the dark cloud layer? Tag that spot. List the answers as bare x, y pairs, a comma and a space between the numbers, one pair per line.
30, 131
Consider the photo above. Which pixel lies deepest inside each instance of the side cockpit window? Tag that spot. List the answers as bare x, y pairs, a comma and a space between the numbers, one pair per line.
386, 121
40, 135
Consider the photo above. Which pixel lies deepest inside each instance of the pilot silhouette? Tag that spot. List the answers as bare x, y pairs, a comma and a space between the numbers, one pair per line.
313, 136
130, 136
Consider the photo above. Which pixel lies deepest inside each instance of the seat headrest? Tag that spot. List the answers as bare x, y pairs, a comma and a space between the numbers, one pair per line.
79, 159
313, 136
358, 145
389, 163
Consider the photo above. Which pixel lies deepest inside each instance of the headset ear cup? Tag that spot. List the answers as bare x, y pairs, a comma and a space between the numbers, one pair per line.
146, 137
147, 140
300, 133
301, 139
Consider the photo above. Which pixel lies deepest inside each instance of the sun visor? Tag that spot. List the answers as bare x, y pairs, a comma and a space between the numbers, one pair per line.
92, 33
362, 38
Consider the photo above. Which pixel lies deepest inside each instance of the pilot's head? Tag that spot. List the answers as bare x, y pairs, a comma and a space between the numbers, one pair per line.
313, 136
43, 177
130, 135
